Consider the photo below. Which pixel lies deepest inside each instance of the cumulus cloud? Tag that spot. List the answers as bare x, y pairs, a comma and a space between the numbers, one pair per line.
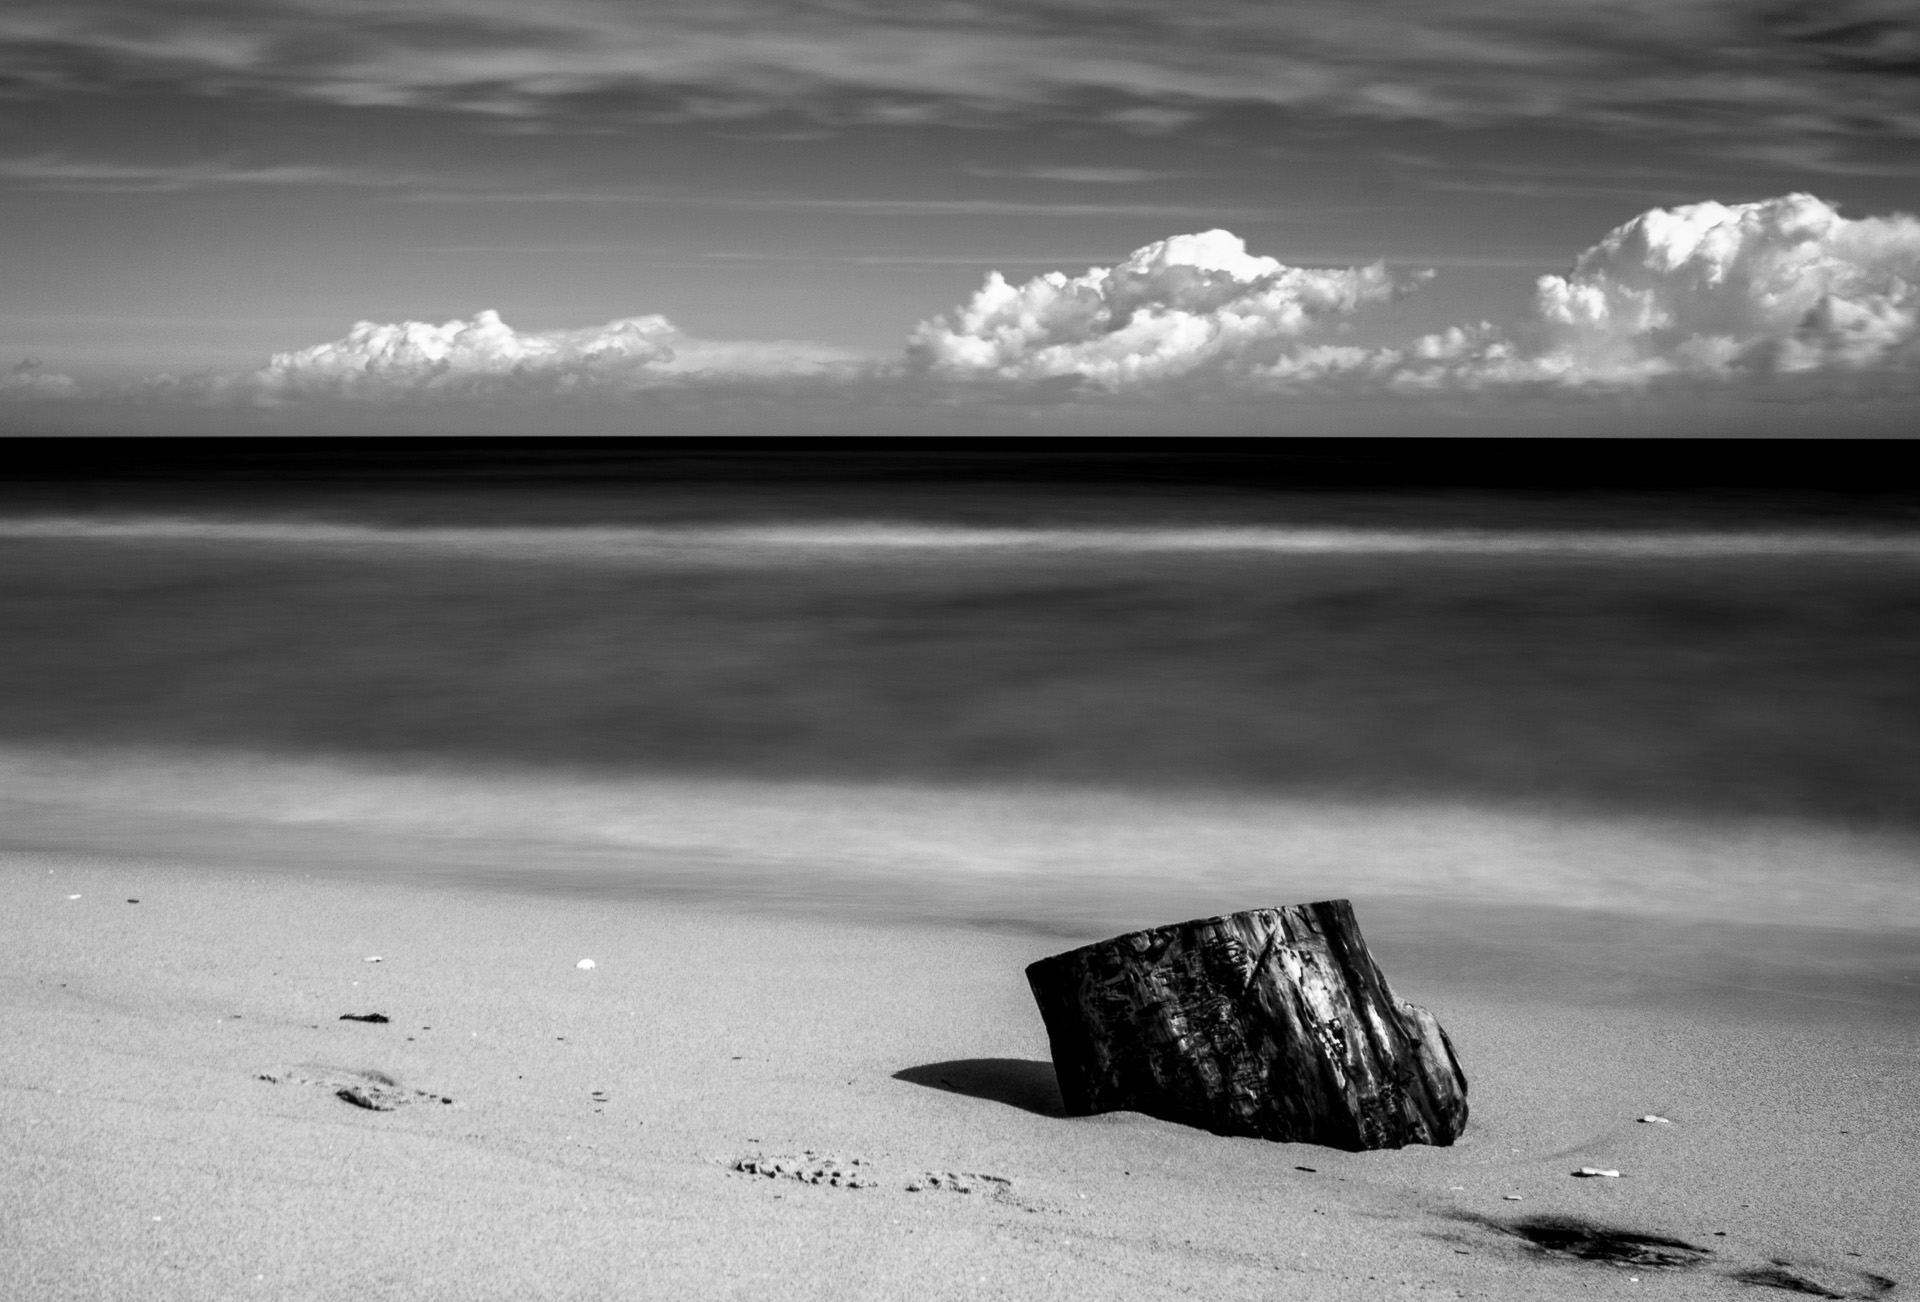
485, 355
1175, 307
1784, 293
1709, 291
30, 379
1783, 286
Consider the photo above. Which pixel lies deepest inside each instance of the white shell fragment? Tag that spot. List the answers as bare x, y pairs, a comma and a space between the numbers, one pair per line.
584, 964
1594, 1172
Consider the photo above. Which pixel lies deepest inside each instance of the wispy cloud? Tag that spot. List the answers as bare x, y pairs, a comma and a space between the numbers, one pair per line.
1070, 174
874, 205
1788, 70
1829, 157
56, 172
636, 253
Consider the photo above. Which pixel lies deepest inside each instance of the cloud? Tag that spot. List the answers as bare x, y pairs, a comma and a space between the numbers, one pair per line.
1184, 304
876, 206
1793, 69
1076, 174
485, 356
1783, 296
1783, 287
29, 380
1779, 287
52, 172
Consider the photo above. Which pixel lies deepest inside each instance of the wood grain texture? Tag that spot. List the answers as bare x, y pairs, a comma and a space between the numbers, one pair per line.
1273, 1023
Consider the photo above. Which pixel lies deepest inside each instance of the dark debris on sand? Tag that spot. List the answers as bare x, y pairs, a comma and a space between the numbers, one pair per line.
1568, 1236
375, 1091
1777, 1274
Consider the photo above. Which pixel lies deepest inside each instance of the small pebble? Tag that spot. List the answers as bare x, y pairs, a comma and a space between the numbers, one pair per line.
584, 964
1594, 1172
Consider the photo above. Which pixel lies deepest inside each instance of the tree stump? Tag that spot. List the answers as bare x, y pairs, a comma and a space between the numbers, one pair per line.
1273, 1023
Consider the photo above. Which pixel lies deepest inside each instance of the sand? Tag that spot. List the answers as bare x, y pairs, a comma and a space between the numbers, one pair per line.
170, 1093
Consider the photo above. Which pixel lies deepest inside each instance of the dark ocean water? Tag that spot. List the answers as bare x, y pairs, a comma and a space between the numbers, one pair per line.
1205, 700
1723, 673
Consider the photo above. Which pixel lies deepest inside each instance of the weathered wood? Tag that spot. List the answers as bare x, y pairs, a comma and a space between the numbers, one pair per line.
1274, 1023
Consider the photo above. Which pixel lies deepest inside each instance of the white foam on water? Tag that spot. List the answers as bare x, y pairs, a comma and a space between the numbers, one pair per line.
878, 540
1013, 847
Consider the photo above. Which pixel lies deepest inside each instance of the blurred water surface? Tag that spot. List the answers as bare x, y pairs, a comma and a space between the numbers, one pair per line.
1726, 672
1068, 713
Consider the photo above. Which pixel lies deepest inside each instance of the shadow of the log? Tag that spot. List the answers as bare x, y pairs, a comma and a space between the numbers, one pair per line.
1016, 1082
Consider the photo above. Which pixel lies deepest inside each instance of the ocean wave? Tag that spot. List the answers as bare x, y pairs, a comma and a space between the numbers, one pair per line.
880, 540
1031, 852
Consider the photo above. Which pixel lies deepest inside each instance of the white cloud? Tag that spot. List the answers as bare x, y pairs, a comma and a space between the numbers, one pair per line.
29, 380
1174, 307
1782, 287
1782, 295
485, 355
1779, 287
53, 172
1076, 174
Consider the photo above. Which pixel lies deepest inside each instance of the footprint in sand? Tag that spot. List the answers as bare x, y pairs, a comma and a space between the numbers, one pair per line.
808, 1169
375, 1091
856, 1173
964, 1182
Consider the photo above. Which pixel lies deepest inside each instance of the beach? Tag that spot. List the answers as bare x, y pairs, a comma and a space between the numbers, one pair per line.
1627, 806
174, 1076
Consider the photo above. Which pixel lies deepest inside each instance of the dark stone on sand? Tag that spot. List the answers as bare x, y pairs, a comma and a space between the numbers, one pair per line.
365, 1017
1273, 1023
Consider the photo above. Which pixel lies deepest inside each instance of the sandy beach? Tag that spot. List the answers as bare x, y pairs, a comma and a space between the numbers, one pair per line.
1630, 812
173, 1097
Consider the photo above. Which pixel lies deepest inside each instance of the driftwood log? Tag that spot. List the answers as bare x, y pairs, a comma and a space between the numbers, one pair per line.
1274, 1023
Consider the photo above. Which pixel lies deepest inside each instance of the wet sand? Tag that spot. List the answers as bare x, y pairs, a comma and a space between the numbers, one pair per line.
172, 1097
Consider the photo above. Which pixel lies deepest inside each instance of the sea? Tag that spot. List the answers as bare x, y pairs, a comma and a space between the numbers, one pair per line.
1666, 734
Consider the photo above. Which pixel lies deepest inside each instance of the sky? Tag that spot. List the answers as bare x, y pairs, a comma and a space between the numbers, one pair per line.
1223, 216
